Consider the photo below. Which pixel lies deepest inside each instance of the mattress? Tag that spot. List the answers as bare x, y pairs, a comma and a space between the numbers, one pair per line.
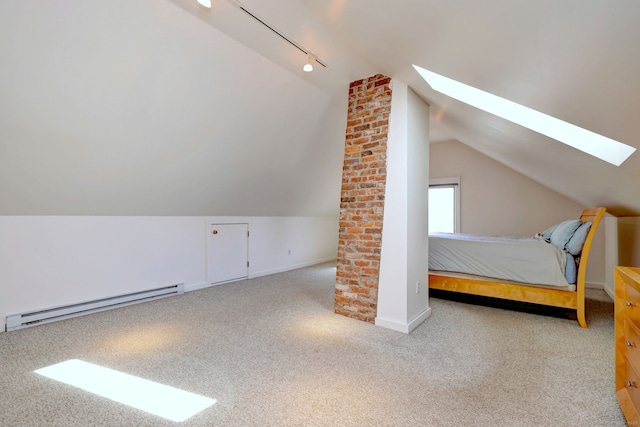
525, 260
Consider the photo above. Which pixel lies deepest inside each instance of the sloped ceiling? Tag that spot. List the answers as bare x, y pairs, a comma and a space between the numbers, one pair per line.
141, 108
576, 60
163, 107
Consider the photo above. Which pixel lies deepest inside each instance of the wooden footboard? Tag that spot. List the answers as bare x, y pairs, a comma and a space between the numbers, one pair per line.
481, 286
508, 291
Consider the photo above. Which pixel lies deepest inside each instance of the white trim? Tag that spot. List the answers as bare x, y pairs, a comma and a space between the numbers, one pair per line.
609, 292
291, 267
453, 181
401, 327
391, 325
204, 285
239, 279
196, 286
592, 285
421, 317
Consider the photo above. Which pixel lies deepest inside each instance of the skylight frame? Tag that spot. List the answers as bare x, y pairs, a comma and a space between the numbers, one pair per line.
599, 146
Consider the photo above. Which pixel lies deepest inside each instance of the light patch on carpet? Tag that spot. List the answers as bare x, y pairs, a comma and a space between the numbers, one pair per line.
147, 339
162, 400
320, 327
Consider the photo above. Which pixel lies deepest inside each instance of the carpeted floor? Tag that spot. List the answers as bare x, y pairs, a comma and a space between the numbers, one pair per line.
272, 353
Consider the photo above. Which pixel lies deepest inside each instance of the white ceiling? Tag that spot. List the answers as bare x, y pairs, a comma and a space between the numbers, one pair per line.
137, 107
167, 108
577, 60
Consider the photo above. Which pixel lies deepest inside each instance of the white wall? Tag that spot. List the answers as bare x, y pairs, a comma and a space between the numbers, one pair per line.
49, 261
404, 252
140, 108
495, 199
622, 246
418, 205
393, 277
279, 244
499, 201
629, 241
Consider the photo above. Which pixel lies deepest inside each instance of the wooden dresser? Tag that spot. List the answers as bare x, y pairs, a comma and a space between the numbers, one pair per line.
627, 333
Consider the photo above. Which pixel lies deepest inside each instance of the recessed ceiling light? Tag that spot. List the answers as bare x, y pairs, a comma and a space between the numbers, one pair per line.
205, 3
167, 402
604, 148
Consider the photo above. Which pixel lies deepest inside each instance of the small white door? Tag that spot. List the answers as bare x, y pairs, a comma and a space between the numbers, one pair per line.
228, 254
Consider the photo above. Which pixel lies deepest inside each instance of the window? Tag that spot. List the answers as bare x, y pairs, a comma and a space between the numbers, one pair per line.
444, 205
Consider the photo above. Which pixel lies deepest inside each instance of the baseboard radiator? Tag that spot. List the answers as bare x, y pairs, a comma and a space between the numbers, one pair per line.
25, 320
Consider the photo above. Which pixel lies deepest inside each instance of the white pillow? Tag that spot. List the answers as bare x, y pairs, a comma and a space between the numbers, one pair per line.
561, 235
546, 234
574, 245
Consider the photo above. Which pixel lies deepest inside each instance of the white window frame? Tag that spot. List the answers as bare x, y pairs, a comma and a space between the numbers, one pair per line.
455, 183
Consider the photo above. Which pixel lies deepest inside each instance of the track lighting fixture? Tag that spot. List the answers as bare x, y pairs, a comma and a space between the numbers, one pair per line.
308, 67
311, 58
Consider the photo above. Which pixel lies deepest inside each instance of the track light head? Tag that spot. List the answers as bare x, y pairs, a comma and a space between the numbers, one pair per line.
308, 67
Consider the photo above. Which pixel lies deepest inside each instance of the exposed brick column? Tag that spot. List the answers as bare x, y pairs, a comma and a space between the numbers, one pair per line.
362, 198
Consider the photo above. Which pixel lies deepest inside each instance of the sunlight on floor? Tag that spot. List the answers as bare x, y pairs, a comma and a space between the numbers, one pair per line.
167, 402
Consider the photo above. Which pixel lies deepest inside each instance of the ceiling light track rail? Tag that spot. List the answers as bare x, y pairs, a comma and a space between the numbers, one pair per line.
277, 32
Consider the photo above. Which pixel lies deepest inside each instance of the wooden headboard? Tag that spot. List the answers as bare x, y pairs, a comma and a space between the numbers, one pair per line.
593, 215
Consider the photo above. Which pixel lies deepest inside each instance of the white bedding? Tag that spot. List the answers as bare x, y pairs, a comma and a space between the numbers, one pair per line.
528, 260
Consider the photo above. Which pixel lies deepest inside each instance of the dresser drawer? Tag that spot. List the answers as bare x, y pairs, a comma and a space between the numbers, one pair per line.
632, 382
632, 301
632, 343
627, 339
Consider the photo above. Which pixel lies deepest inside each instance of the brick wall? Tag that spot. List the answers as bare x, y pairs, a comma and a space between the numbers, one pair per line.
362, 198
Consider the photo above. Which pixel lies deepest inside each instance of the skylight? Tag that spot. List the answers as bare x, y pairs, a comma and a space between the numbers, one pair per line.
167, 402
584, 140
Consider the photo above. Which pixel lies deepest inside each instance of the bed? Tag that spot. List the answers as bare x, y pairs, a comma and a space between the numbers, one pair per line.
535, 269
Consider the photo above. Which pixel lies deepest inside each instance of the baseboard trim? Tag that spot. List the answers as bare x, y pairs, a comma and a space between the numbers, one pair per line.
196, 286
404, 327
419, 319
591, 285
609, 291
290, 267
204, 285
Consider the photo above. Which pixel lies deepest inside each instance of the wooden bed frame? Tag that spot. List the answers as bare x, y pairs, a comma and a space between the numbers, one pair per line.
488, 287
